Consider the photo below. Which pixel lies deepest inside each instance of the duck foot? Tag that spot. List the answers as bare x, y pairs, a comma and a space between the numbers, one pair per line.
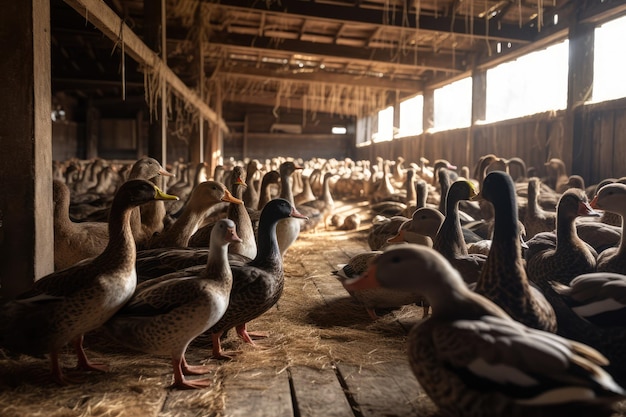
83, 362
193, 383
247, 336
195, 369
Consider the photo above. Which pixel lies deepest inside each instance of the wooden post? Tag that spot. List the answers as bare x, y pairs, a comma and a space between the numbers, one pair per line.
154, 38
26, 223
579, 87
479, 112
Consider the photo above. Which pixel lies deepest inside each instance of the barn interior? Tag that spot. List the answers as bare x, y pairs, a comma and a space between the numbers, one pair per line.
222, 83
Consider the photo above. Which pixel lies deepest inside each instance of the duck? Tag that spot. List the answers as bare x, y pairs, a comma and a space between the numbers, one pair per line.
288, 229
421, 229
240, 214
503, 277
204, 197
251, 192
258, 284
450, 241
307, 192
165, 315
536, 219
473, 359
373, 300
145, 223
557, 175
611, 198
268, 182
562, 255
74, 241
322, 208
64, 305
592, 310
382, 229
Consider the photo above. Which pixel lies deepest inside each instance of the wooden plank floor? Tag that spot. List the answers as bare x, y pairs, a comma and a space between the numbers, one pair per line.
323, 357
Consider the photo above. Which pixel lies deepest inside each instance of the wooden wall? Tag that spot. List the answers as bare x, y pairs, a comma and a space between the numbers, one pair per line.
535, 139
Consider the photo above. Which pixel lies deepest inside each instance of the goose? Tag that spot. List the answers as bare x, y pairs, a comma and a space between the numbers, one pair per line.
612, 198
64, 305
164, 316
503, 277
473, 359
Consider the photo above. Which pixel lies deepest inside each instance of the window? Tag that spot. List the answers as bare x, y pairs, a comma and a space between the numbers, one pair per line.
609, 60
411, 115
533, 83
385, 125
453, 105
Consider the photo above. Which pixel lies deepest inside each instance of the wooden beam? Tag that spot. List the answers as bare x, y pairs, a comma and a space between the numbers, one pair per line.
421, 60
111, 25
325, 77
391, 18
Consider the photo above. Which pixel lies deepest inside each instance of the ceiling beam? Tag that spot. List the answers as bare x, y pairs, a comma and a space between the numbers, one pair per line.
282, 102
110, 24
411, 61
409, 86
458, 25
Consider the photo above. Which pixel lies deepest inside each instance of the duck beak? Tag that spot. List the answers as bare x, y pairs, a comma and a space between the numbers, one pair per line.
239, 181
364, 281
163, 172
477, 197
584, 209
232, 236
594, 202
398, 238
228, 197
295, 213
160, 195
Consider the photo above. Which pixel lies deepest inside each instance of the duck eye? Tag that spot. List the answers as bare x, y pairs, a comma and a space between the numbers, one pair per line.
395, 259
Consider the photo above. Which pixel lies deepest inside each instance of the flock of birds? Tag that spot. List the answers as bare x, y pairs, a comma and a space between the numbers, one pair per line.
522, 279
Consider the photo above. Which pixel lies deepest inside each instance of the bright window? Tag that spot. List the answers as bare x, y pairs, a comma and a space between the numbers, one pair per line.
453, 105
385, 125
411, 115
609, 60
533, 83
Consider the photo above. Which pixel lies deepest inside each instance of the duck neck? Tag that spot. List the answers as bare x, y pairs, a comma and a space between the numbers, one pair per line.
286, 189
566, 235
622, 244
451, 242
217, 266
533, 202
121, 248
268, 252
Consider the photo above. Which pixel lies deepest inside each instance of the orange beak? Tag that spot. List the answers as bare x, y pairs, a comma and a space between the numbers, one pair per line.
364, 281
228, 197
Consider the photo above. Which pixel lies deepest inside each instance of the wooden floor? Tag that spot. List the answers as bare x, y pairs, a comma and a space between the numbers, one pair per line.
323, 356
